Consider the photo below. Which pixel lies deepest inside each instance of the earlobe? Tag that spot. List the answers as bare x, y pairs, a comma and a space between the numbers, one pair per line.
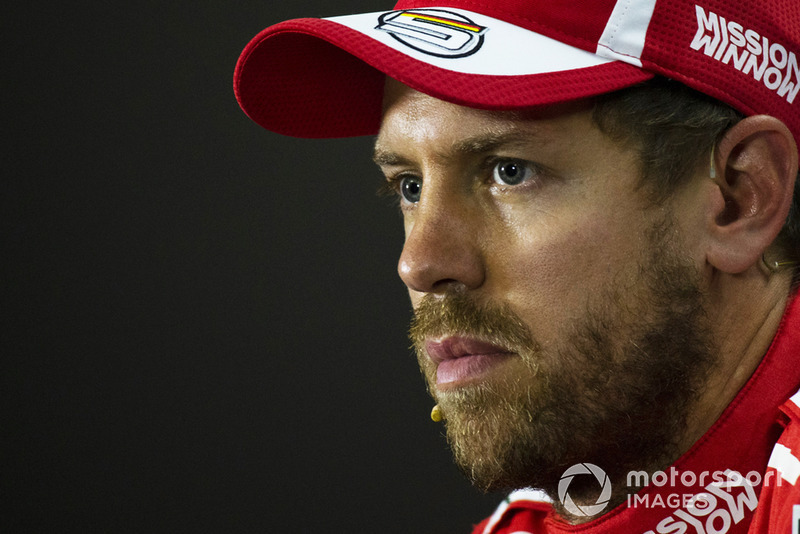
756, 167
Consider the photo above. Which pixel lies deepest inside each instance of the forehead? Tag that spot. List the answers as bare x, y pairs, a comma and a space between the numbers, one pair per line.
411, 117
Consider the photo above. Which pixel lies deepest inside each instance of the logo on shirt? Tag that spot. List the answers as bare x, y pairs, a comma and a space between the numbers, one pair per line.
585, 510
749, 52
723, 503
435, 32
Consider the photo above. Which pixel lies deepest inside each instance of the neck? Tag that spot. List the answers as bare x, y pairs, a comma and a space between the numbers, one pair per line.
745, 312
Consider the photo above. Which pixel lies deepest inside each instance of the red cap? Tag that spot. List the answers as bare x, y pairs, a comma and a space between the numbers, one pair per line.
325, 77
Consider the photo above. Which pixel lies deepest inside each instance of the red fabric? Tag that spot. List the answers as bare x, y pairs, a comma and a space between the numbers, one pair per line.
554, 19
306, 78
315, 78
742, 439
776, 507
293, 83
668, 53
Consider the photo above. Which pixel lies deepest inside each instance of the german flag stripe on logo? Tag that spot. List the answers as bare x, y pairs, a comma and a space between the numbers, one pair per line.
440, 20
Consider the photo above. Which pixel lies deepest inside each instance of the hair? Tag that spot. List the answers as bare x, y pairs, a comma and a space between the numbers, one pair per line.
676, 128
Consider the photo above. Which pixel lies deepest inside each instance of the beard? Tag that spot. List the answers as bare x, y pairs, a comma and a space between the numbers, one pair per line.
615, 391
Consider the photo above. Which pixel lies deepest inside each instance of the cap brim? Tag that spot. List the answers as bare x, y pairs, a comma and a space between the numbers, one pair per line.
325, 77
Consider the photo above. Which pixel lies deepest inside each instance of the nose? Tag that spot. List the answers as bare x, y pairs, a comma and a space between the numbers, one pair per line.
442, 249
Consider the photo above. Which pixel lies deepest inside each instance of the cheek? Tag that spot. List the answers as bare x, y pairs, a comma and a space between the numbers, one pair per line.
550, 274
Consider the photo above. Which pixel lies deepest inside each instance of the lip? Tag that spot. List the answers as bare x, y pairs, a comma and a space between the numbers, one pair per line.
464, 359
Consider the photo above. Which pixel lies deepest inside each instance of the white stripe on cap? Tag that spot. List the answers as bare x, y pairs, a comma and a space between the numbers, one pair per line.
503, 50
626, 30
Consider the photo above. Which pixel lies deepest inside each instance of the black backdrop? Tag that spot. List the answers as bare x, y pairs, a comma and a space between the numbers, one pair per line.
203, 329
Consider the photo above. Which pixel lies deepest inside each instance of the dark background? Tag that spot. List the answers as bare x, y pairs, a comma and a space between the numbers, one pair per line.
203, 329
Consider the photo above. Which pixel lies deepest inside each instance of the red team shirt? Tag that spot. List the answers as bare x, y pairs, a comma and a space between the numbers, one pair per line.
741, 477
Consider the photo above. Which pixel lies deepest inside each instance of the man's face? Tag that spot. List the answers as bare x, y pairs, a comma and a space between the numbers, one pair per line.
557, 317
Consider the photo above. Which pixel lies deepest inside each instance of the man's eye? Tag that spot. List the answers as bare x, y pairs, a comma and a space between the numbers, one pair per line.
411, 188
511, 172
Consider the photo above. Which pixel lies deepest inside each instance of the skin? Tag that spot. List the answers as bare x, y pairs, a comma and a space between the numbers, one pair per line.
572, 226
575, 225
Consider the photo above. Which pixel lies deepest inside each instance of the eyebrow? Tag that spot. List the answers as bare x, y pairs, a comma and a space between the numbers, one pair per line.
479, 144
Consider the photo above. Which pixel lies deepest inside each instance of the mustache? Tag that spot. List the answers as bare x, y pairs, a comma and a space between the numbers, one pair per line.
460, 314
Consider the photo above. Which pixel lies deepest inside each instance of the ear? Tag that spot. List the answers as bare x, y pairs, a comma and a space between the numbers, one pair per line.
756, 167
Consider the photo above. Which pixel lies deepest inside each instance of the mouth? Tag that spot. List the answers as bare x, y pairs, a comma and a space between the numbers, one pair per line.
460, 360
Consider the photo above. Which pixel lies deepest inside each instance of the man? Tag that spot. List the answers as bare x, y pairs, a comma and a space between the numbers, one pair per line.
601, 241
